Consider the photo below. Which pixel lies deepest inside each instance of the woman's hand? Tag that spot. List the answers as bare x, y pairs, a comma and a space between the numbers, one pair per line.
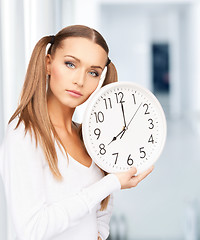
128, 179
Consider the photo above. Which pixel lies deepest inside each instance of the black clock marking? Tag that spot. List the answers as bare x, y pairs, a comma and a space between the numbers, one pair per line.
119, 97
147, 107
134, 99
150, 120
117, 154
130, 161
142, 153
151, 140
108, 103
102, 149
97, 132
99, 116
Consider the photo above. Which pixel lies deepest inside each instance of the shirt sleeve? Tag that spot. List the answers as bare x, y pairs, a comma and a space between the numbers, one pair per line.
23, 177
103, 219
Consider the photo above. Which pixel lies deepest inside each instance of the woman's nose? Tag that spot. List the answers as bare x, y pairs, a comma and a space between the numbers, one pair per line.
80, 78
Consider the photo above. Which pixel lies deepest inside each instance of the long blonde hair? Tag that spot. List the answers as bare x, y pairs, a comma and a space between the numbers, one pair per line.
32, 109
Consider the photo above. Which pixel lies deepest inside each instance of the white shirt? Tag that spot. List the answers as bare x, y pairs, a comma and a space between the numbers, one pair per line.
43, 208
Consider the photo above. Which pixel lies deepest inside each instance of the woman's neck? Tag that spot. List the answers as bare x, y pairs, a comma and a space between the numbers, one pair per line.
60, 115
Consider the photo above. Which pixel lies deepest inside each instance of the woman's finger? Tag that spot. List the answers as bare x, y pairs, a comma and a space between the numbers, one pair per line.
141, 176
132, 171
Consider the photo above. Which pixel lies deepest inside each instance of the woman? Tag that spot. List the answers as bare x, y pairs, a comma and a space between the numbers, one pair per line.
53, 188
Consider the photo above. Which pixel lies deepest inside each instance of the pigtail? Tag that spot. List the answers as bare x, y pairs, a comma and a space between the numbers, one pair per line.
32, 109
35, 72
111, 75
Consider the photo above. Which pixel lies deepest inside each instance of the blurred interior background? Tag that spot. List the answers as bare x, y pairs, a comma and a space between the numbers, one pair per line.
154, 43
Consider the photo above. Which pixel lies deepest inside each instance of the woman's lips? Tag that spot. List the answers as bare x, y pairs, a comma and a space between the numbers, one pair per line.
74, 93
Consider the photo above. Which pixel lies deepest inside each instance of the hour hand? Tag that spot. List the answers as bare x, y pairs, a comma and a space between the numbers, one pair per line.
115, 138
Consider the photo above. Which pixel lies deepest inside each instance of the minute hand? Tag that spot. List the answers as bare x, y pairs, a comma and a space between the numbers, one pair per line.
122, 107
133, 115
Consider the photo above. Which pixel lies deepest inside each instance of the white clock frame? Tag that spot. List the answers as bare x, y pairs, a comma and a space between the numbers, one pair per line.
99, 135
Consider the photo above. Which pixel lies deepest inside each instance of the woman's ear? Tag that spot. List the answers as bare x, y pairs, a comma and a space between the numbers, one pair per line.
48, 64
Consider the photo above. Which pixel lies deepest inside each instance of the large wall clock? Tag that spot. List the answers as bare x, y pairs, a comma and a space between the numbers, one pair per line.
124, 125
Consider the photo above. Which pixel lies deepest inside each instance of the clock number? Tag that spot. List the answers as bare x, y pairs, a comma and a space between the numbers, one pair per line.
108, 103
97, 132
151, 123
119, 97
147, 107
134, 98
99, 117
102, 149
142, 152
151, 139
116, 156
130, 160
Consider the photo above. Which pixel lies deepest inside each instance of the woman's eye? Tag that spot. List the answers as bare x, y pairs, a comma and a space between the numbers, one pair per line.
70, 65
94, 74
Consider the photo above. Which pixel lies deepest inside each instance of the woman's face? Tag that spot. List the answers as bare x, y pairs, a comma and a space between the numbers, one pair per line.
75, 70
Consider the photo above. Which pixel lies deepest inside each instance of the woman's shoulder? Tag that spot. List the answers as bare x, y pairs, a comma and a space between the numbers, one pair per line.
14, 128
20, 142
17, 134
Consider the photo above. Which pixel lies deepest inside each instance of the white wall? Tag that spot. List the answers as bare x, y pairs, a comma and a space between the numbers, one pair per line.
190, 36
128, 37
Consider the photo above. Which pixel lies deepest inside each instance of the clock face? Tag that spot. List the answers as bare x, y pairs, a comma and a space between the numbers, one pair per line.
124, 125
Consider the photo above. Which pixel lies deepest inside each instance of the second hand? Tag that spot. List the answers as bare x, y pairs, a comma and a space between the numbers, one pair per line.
130, 120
